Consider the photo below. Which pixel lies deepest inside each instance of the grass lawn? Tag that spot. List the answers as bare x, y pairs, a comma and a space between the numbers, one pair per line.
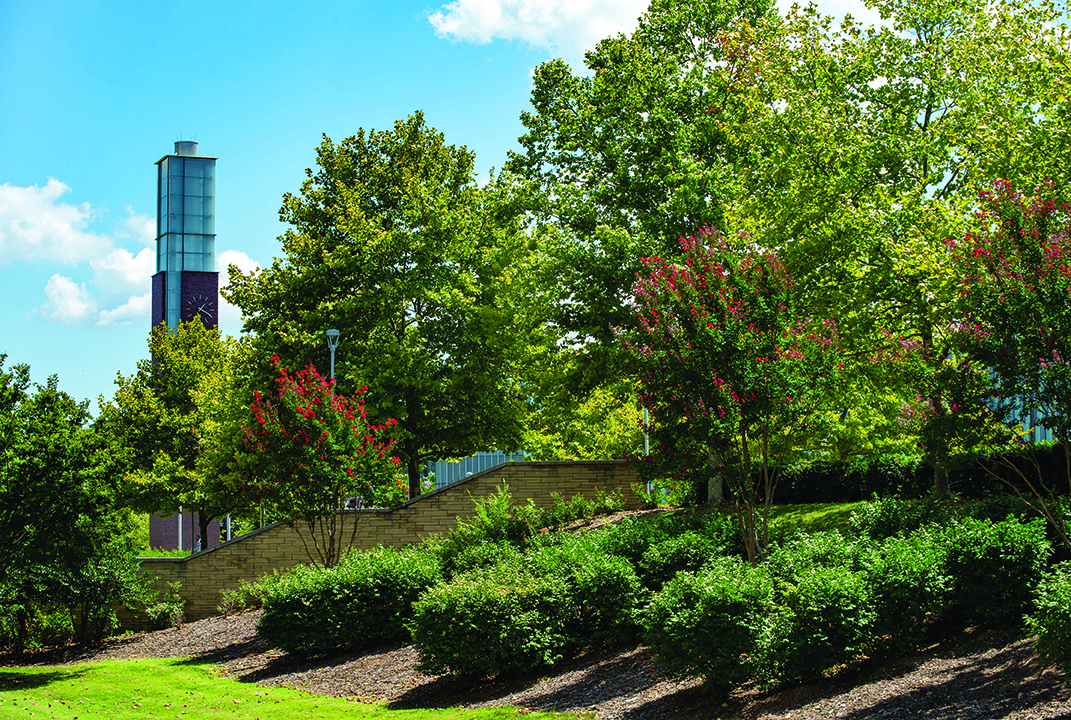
812, 517
118, 689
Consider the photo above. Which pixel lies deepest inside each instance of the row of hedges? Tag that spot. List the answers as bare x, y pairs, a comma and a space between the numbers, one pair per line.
822, 602
908, 477
677, 580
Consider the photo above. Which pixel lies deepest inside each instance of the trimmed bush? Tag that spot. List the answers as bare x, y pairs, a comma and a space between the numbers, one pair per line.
604, 590
1051, 621
482, 555
886, 517
491, 621
689, 551
910, 589
994, 567
706, 624
826, 549
362, 602
825, 619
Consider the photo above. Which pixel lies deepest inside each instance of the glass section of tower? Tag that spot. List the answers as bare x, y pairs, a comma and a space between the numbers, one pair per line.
185, 223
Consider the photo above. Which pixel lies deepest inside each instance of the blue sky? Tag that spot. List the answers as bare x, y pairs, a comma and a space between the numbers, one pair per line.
93, 93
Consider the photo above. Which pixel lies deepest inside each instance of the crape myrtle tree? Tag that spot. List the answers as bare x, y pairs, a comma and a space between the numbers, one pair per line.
177, 423
1015, 295
393, 242
868, 146
731, 368
315, 457
627, 156
65, 540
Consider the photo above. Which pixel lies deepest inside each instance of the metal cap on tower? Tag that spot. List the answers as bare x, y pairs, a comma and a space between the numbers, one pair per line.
186, 147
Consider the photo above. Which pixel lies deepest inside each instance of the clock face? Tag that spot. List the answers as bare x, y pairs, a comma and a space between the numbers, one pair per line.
199, 303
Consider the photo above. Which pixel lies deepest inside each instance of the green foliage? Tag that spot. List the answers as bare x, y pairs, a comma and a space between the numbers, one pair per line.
604, 590
393, 242
45, 626
688, 551
708, 623
177, 423
1051, 619
63, 539
250, 595
169, 610
824, 618
885, 517
826, 549
910, 587
994, 567
364, 601
490, 621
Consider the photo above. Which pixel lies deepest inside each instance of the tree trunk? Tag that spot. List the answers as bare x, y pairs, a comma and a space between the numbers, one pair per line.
203, 521
716, 485
412, 456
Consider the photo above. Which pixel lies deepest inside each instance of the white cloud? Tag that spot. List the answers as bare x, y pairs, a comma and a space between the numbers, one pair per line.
568, 27
35, 226
120, 272
137, 307
230, 317
66, 301
141, 227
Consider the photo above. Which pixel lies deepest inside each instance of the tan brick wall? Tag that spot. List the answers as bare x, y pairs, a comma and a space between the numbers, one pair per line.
277, 546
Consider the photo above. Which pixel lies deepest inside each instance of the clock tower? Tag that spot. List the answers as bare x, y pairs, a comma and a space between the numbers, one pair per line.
186, 283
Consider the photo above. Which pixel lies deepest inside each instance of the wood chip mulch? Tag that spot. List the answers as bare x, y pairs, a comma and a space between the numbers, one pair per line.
981, 674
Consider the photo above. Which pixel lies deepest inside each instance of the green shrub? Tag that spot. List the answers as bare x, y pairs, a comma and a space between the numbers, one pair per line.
824, 619
910, 588
631, 538
362, 602
886, 517
46, 626
491, 621
496, 520
1051, 621
483, 555
826, 549
706, 624
169, 610
604, 590
249, 595
689, 551
994, 567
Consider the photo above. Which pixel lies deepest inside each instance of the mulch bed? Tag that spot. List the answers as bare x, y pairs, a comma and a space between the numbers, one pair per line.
981, 674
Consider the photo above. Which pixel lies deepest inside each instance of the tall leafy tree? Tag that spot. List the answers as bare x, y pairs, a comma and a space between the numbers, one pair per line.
731, 368
630, 156
178, 422
1015, 282
868, 146
64, 540
393, 242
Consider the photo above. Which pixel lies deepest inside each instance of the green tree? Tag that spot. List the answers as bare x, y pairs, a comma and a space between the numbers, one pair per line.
312, 453
395, 244
869, 145
731, 368
630, 157
63, 538
178, 422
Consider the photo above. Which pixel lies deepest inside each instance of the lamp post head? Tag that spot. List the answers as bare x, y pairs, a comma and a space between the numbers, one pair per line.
332, 339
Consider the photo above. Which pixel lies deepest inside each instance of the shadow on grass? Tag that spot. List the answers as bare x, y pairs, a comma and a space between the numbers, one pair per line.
13, 681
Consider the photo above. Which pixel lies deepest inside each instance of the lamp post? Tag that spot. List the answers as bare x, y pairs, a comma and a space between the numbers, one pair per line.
332, 343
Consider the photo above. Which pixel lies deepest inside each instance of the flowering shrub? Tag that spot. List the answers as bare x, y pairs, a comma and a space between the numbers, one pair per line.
730, 368
1015, 294
314, 453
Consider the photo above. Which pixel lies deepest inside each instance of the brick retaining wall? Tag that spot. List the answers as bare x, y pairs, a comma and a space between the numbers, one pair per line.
277, 546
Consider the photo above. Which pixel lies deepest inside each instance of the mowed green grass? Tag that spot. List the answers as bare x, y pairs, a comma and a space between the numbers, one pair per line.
120, 689
813, 517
